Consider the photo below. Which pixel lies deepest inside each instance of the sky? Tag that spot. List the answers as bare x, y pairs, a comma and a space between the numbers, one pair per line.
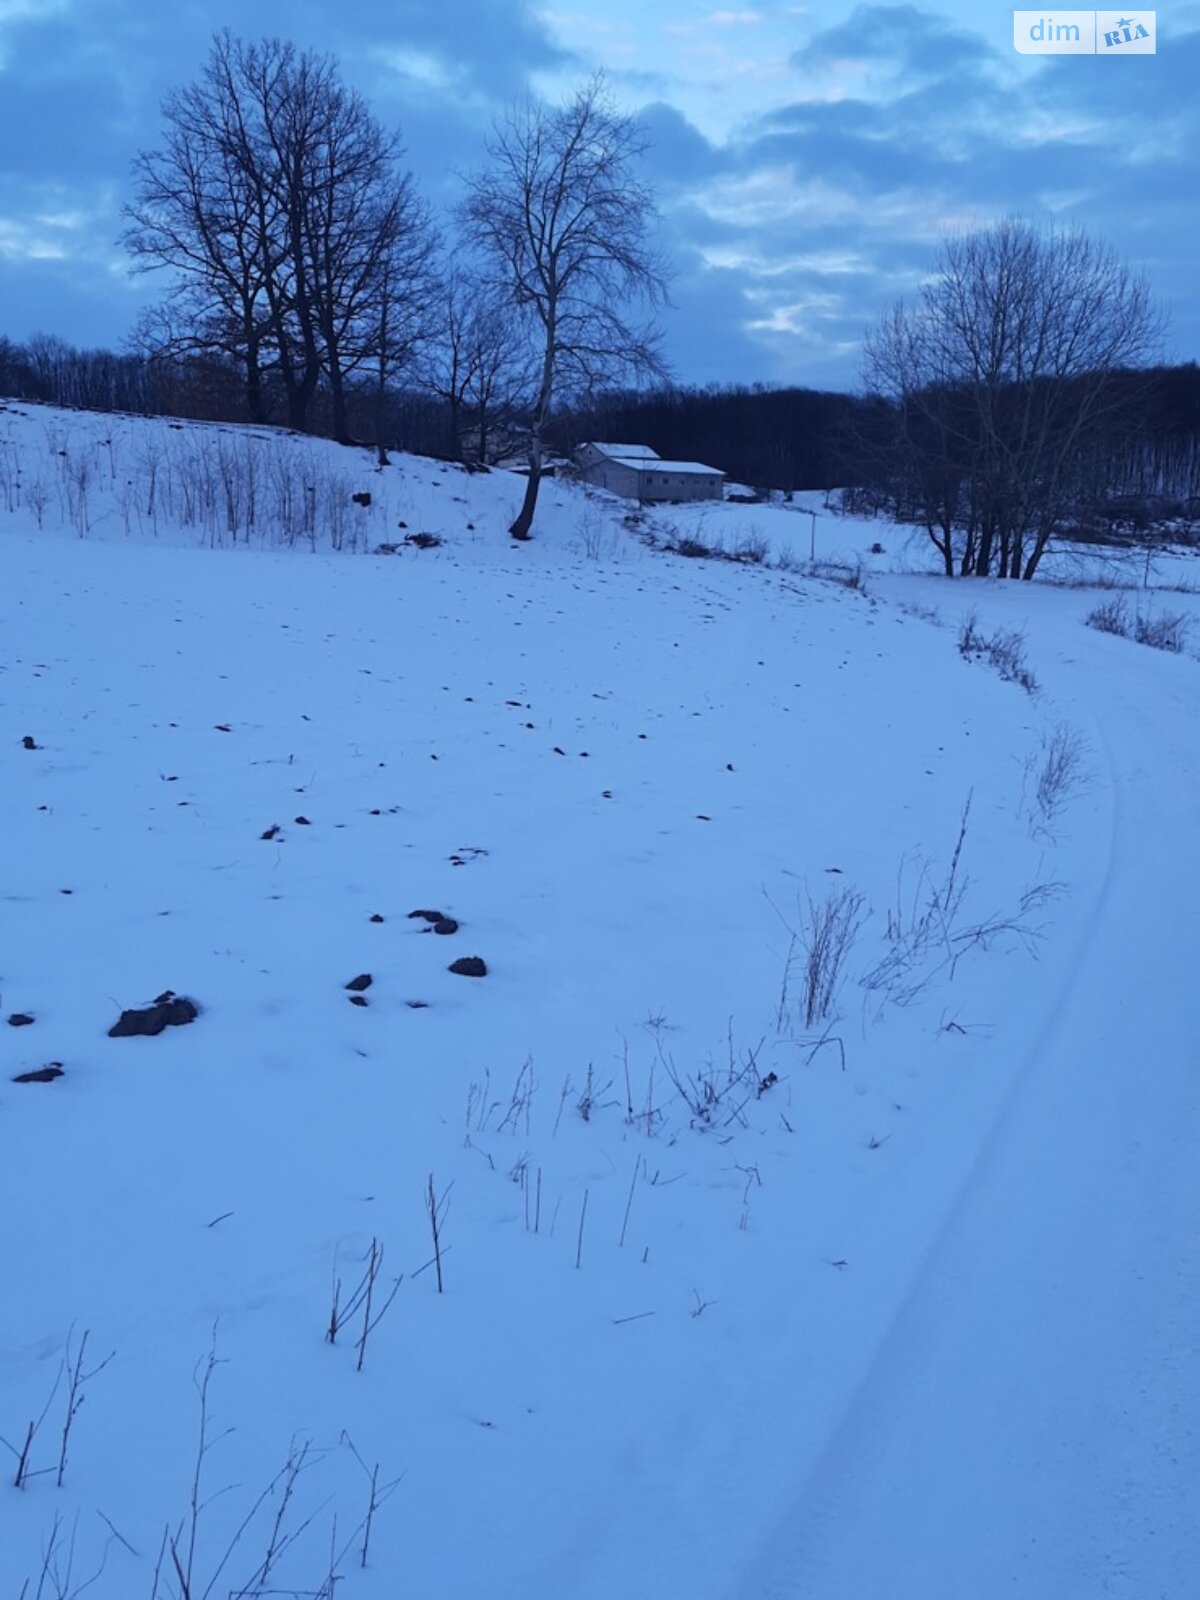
807, 159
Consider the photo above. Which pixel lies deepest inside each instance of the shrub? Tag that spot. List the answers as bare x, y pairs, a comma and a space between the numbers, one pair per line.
751, 548
1053, 773
1166, 631
695, 549
1004, 650
596, 536
1111, 617
850, 577
829, 930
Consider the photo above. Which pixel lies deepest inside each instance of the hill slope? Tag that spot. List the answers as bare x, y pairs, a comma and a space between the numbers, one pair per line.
696, 1245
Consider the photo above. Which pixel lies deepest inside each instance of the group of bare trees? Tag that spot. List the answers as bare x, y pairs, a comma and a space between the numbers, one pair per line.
300, 253
45, 367
297, 244
476, 363
1007, 383
302, 259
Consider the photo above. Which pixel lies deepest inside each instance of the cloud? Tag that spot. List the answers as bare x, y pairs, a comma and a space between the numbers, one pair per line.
25, 241
789, 233
678, 153
822, 211
81, 82
716, 19
15, 12
904, 39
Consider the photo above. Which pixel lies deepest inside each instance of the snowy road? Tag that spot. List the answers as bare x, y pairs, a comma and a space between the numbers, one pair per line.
1030, 1428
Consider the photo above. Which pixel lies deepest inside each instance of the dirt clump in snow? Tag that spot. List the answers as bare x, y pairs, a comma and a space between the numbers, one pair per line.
46, 1074
469, 967
169, 1010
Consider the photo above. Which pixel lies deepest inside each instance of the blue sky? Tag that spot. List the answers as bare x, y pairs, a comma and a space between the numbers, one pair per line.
807, 158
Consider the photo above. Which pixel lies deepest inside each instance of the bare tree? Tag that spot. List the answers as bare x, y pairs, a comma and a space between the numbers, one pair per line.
449, 367
1008, 378
368, 238
476, 361
17, 377
278, 203
564, 220
502, 371
202, 212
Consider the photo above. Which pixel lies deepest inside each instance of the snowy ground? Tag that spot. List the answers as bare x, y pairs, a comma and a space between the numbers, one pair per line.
900, 1302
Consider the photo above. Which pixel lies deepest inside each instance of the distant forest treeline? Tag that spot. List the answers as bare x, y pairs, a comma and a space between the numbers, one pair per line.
765, 438
792, 438
785, 438
206, 389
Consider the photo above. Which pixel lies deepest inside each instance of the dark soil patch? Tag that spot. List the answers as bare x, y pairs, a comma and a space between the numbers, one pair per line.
20, 1019
469, 967
363, 981
446, 925
168, 1011
46, 1074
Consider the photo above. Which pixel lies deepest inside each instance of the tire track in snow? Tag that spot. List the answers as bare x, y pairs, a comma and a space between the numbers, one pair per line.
1029, 1426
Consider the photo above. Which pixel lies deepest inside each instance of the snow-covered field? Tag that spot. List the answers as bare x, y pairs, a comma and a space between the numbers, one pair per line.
893, 1299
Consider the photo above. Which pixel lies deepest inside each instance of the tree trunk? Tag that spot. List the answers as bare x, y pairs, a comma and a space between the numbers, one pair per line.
520, 528
1041, 540
337, 396
455, 411
943, 540
300, 394
983, 558
297, 409
1006, 550
254, 400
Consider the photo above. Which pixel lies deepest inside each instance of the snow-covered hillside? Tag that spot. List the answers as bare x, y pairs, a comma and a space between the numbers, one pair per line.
757, 1272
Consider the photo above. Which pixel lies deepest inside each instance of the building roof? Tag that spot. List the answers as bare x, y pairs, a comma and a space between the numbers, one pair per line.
657, 465
625, 452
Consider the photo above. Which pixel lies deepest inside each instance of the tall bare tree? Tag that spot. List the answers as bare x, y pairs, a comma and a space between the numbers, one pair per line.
366, 234
565, 221
202, 212
1008, 378
279, 204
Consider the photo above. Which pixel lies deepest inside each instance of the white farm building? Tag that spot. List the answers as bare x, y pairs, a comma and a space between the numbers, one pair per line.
639, 473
